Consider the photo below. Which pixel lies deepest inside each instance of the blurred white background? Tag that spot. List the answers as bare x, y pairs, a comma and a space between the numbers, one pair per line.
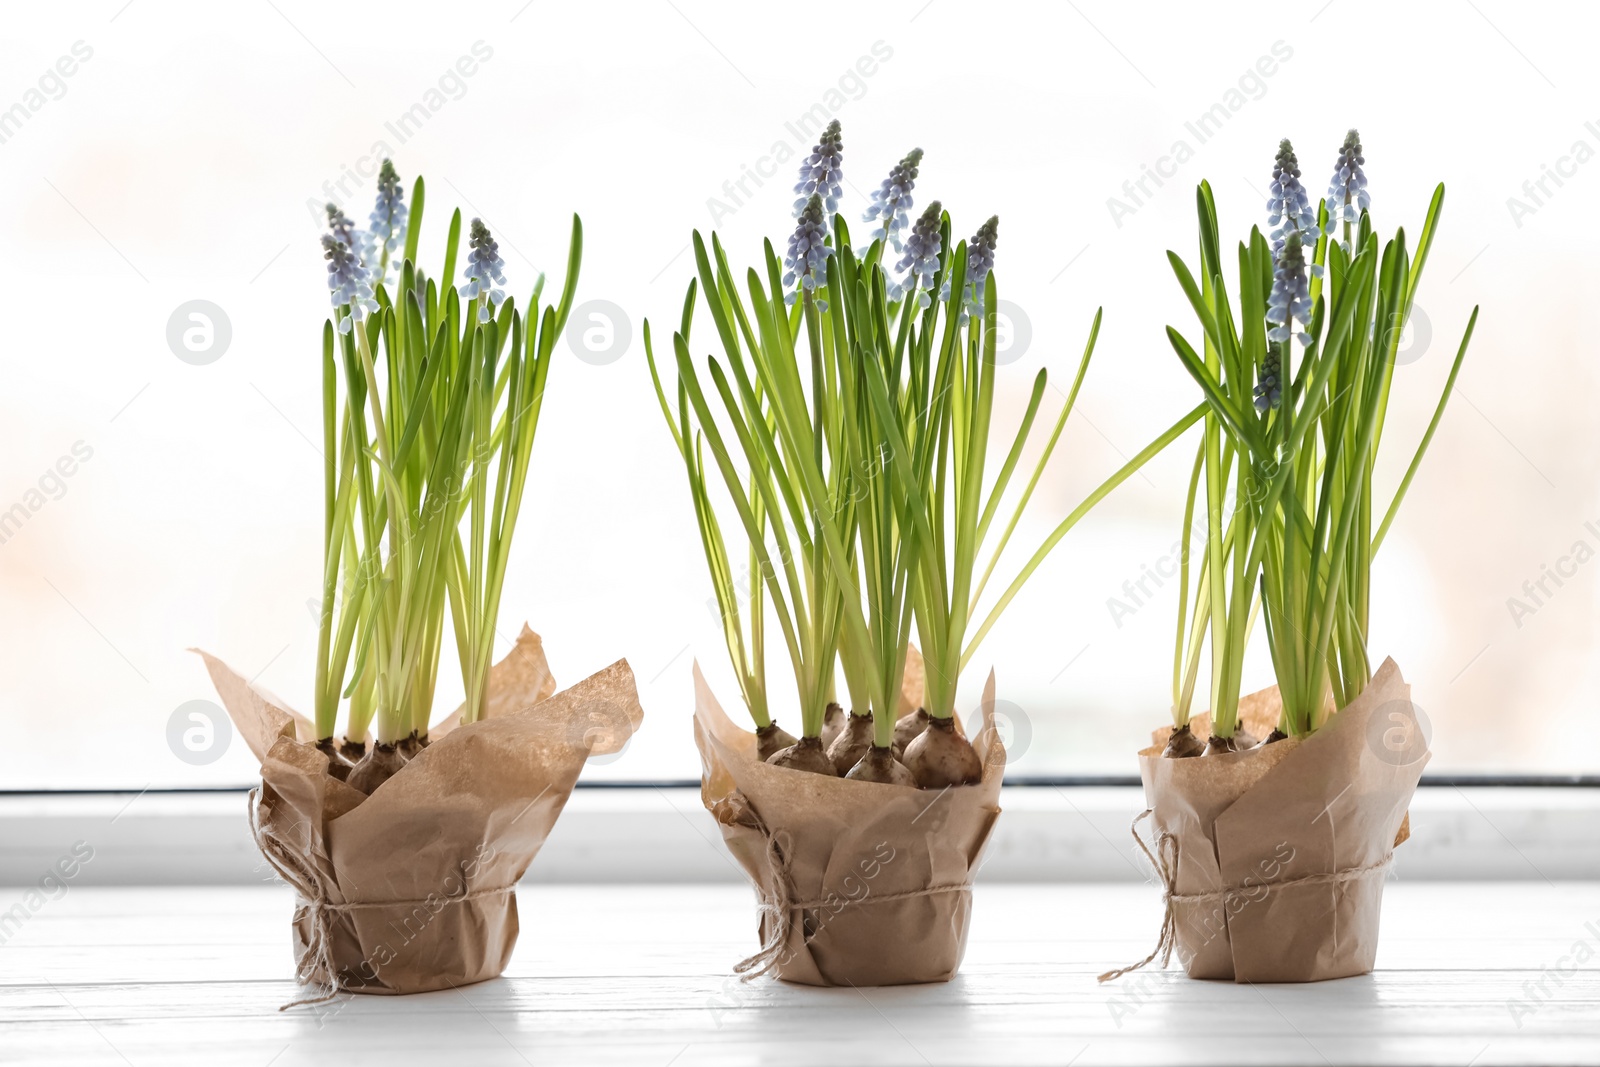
177, 161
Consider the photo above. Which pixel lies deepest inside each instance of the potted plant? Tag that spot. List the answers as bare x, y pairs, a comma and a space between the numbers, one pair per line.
1275, 816
847, 422
405, 834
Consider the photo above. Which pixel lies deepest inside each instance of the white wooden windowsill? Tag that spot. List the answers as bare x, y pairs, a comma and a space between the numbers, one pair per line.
1468, 974
1073, 834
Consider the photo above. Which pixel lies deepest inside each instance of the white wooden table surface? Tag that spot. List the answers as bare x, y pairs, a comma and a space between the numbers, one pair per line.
637, 975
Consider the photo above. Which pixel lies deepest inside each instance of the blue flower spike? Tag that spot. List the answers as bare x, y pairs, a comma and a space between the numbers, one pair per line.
892, 202
921, 259
485, 271
980, 261
806, 261
387, 223
821, 172
1347, 190
1290, 301
342, 227
1288, 207
349, 280
1269, 389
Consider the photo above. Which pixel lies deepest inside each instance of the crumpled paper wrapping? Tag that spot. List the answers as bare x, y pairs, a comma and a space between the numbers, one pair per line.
413, 888
1274, 858
860, 884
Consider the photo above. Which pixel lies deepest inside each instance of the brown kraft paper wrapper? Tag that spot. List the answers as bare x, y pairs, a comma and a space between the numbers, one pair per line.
859, 883
413, 888
1274, 858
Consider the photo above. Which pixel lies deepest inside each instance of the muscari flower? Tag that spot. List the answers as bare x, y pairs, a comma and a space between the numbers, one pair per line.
349, 280
1290, 301
891, 201
388, 218
484, 270
921, 259
1288, 207
808, 250
980, 261
1269, 390
1347, 190
342, 227
821, 171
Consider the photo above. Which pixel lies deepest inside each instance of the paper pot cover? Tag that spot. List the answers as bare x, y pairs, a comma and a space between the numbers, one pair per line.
413, 887
859, 883
1275, 857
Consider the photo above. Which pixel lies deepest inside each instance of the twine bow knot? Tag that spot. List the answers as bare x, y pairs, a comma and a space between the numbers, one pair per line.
313, 892
778, 903
1164, 860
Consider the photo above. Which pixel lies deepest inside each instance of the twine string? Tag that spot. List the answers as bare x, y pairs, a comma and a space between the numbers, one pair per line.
312, 890
778, 904
1164, 860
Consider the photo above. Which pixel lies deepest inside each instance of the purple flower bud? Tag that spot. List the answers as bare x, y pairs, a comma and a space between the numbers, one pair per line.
1347, 190
349, 281
485, 270
388, 218
821, 172
980, 261
1269, 388
340, 225
806, 262
892, 202
1290, 301
921, 259
1288, 207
